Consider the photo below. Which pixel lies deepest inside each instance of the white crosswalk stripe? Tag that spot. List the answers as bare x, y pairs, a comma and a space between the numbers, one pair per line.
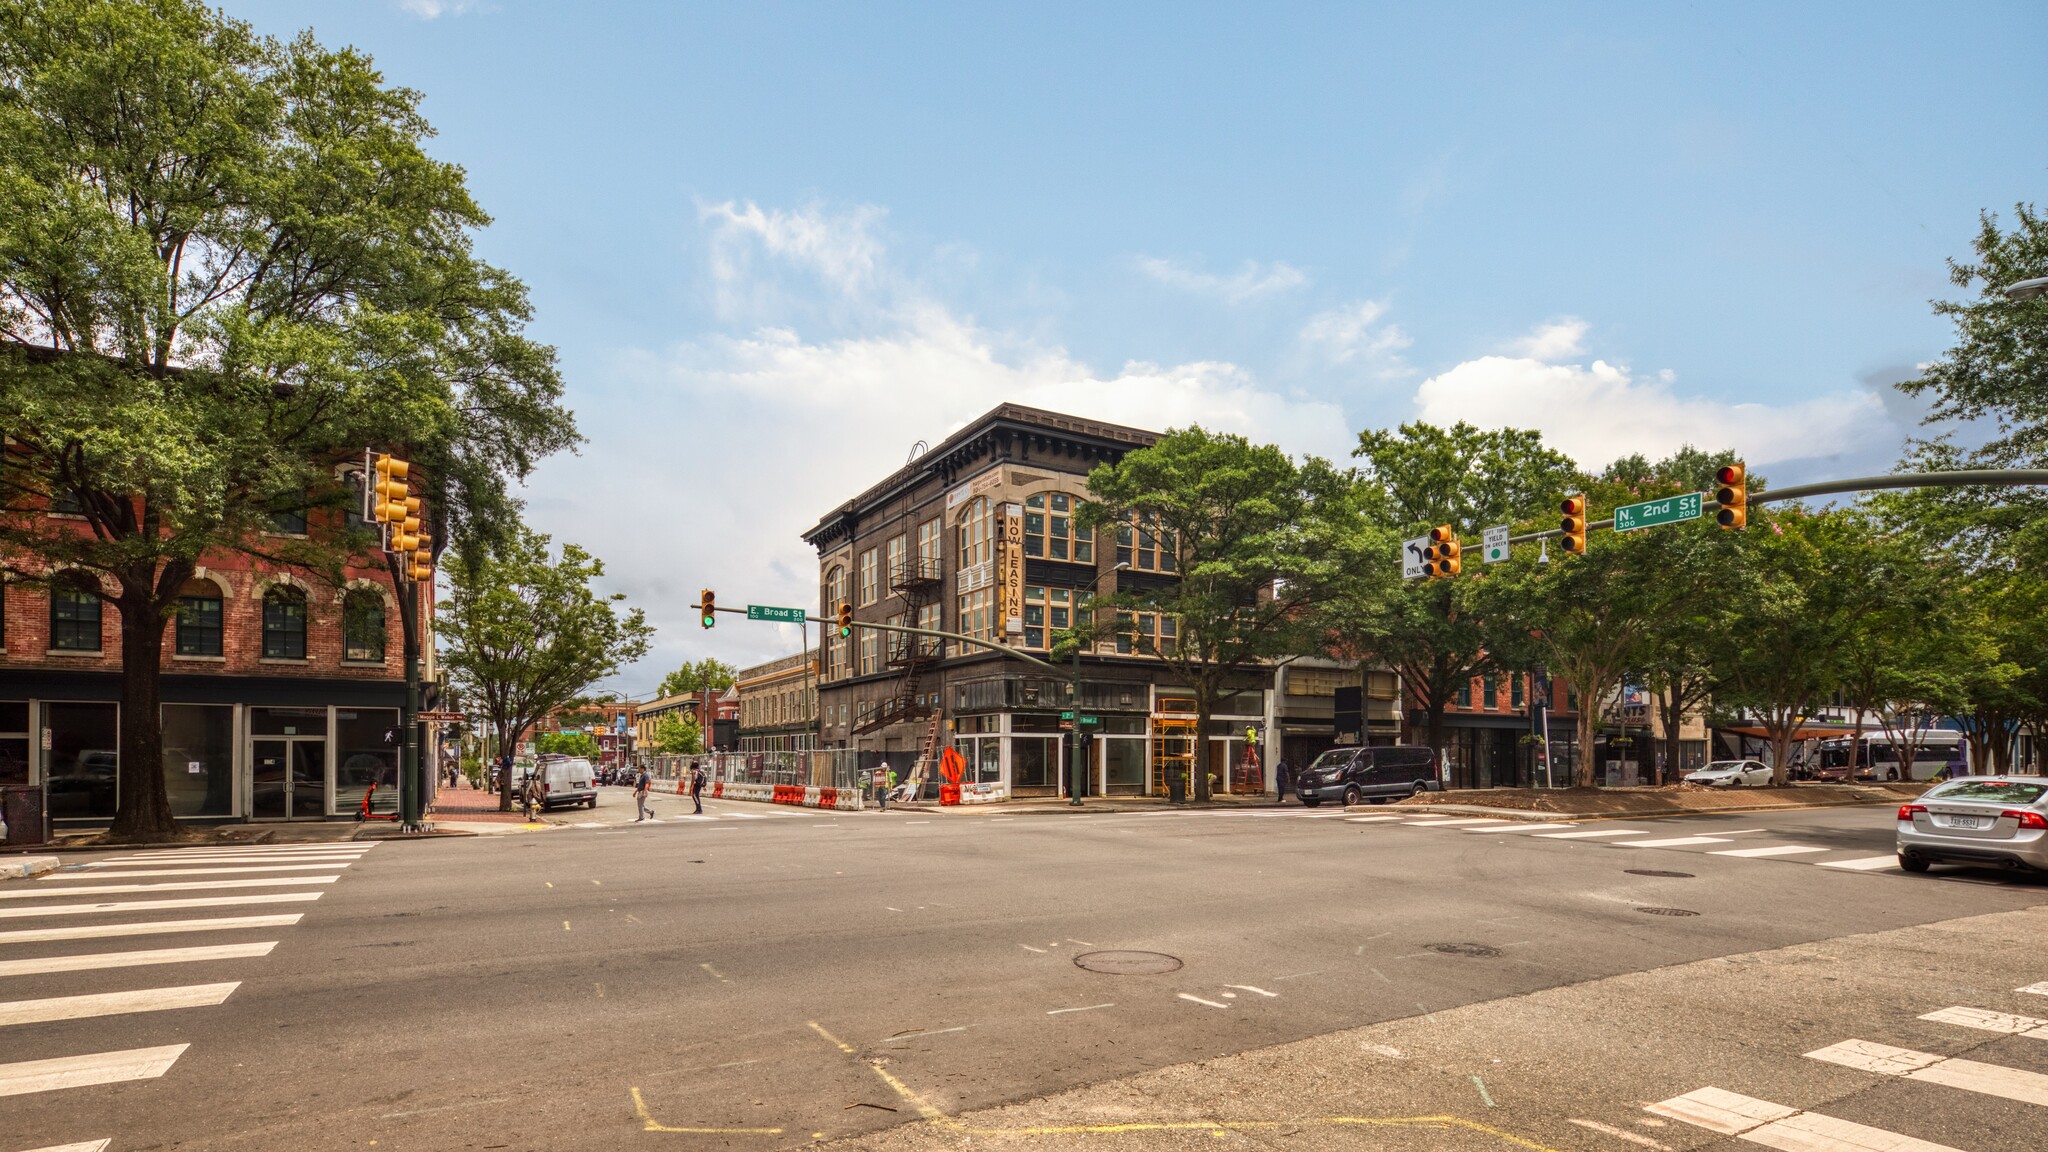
1787, 1129
213, 861
199, 871
181, 886
79, 1071
157, 905
1862, 864
85, 1146
113, 1003
97, 960
1954, 1071
147, 928
1773, 850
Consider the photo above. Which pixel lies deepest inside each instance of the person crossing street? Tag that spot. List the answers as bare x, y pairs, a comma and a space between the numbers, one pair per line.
641, 783
697, 786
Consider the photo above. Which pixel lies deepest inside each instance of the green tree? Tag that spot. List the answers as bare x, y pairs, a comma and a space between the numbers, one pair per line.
567, 744
523, 633
1415, 478
226, 265
1259, 542
708, 674
678, 735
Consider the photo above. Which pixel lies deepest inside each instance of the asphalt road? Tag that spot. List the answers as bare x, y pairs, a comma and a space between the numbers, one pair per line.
766, 978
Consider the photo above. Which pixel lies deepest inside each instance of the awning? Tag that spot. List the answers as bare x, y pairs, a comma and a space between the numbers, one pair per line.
1803, 732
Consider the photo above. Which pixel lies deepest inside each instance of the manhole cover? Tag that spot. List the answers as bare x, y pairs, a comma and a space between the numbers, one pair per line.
1667, 911
1128, 963
1463, 949
1657, 872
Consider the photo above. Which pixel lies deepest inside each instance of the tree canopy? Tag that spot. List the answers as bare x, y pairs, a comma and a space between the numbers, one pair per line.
708, 674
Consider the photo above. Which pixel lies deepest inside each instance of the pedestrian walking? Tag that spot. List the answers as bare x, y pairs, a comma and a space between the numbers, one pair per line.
697, 785
885, 782
641, 783
1283, 778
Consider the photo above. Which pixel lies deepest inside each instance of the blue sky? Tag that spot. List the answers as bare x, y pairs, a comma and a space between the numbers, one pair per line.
777, 244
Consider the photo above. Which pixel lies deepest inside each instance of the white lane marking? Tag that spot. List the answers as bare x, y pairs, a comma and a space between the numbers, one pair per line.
1087, 1008
1786, 1129
1249, 988
1596, 832
1029, 948
1618, 1133
1866, 864
1773, 850
1199, 1000
922, 1035
197, 871
97, 960
113, 1003
1985, 1021
154, 905
1674, 842
2040, 989
79, 1071
152, 928
1470, 820
181, 886
1373, 819
209, 861
1969, 1075
260, 853
87, 1146
1518, 827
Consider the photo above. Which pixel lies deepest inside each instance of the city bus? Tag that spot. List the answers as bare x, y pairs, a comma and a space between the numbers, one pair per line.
1940, 750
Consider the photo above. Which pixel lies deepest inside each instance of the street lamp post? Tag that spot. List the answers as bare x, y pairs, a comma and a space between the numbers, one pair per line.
2029, 289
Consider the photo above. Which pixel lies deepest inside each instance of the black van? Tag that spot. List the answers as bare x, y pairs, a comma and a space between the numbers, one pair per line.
1353, 774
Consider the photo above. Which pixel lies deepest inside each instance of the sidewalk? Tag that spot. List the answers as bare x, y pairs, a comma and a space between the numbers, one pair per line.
1056, 805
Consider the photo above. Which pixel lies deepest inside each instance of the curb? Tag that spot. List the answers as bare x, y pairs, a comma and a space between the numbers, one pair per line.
27, 866
1659, 814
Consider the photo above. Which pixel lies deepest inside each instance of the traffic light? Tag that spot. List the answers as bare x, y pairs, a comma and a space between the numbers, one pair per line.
845, 621
388, 491
1732, 496
708, 605
1441, 557
1574, 524
420, 564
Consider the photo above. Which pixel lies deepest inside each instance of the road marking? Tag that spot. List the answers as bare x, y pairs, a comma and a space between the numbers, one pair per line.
152, 905
1786, 1129
197, 871
1468, 821
113, 1003
1518, 827
1082, 943
261, 849
649, 1124
1088, 1008
1376, 819
2040, 989
1991, 1021
565, 925
842, 1045
1029, 948
1595, 832
181, 886
1674, 842
210, 861
1969, 1075
98, 960
920, 1035
1617, 1133
1249, 988
1773, 850
1483, 1093
1199, 1000
95, 931
714, 973
79, 1071
87, 1146
1866, 864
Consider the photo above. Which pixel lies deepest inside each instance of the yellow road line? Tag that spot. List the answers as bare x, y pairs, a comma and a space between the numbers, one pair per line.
650, 1124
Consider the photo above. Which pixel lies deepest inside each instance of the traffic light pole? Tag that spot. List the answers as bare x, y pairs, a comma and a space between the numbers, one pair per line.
411, 784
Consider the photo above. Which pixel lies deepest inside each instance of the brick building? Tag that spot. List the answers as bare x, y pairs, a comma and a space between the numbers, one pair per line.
779, 705
281, 693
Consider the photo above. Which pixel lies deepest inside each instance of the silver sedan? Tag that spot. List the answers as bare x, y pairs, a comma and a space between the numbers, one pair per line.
1995, 820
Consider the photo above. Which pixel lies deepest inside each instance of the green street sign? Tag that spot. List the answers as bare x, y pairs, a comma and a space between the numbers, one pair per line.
1066, 715
1652, 513
780, 615
1086, 720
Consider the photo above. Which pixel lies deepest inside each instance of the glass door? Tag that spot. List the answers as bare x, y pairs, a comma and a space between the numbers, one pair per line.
309, 779
287, 779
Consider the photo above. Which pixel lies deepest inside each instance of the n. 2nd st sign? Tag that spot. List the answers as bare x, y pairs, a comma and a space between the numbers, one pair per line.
1652, 513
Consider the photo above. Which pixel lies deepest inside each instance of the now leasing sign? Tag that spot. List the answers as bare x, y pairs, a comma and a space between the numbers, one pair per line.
1651, 513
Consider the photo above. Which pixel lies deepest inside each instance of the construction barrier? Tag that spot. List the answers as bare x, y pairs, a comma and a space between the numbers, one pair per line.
796, 795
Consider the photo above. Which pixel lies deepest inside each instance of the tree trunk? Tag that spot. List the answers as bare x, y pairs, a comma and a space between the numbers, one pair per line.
1781, 750
503, 769
1671, 709
144, 811
1588, 723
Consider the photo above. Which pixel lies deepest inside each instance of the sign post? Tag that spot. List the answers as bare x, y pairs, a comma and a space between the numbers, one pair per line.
1653, 513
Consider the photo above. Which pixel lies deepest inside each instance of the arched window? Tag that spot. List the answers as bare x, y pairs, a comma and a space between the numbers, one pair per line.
199, 619
974, 606
362, 626
1145, 546
284, 624
1050, 532
977, 534
74, 613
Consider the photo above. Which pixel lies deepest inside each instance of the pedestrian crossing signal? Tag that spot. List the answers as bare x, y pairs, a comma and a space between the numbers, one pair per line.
1573, 525
1441, 558
707, 604
1732, 496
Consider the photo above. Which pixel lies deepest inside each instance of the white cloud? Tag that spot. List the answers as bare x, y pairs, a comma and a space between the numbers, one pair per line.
435, 9
842, 249
1600, 411
1249, 282
1559, 341
1353, 333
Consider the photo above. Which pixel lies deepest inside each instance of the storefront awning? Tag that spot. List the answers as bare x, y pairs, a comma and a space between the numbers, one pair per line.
1803, 732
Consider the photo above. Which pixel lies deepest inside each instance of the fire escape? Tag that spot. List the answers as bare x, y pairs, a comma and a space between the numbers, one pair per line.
916, 582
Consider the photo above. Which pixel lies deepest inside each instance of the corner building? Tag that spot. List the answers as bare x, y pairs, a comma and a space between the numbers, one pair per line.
977, 536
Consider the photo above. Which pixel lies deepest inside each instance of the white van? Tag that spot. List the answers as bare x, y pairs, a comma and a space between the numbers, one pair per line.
566, 780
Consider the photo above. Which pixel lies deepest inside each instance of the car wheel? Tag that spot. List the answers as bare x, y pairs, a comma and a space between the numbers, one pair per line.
1912, 863
1892, 774
1419, 789
1351, 795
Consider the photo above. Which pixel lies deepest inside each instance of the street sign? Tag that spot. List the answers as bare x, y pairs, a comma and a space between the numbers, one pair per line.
781, 615
1495, 541
439, 717
1652, 513
1066, 715
1411, 557
1067, 718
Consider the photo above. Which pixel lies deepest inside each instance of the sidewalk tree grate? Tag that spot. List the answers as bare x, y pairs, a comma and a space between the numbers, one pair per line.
1115, 963
1657, 872
1667, 911
1484, 950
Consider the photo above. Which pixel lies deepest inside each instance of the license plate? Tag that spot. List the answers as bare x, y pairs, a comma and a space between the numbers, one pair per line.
1968, 821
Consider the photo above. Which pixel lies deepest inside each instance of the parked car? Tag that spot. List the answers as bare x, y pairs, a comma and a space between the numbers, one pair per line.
566, 780
1731, 774
1377, 774
1997, 820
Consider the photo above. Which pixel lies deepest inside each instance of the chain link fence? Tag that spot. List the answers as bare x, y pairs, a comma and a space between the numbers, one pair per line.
831, 768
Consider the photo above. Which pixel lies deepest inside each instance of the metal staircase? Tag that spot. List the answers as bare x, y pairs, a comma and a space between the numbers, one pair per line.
916, 582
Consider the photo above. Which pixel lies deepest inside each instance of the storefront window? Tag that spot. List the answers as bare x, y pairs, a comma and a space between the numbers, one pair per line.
366, 753
1034, 762
81, 763
288, 721
13, 742
199, 759
1123, 765
989, 764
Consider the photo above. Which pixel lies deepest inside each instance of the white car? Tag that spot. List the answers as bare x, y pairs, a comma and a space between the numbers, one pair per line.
1731, 774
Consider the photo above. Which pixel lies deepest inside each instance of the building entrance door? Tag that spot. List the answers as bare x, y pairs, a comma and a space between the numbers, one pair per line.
288, 778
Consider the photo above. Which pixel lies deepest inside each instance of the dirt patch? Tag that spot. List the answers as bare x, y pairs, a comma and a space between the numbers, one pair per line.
1666, 798
182, 837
